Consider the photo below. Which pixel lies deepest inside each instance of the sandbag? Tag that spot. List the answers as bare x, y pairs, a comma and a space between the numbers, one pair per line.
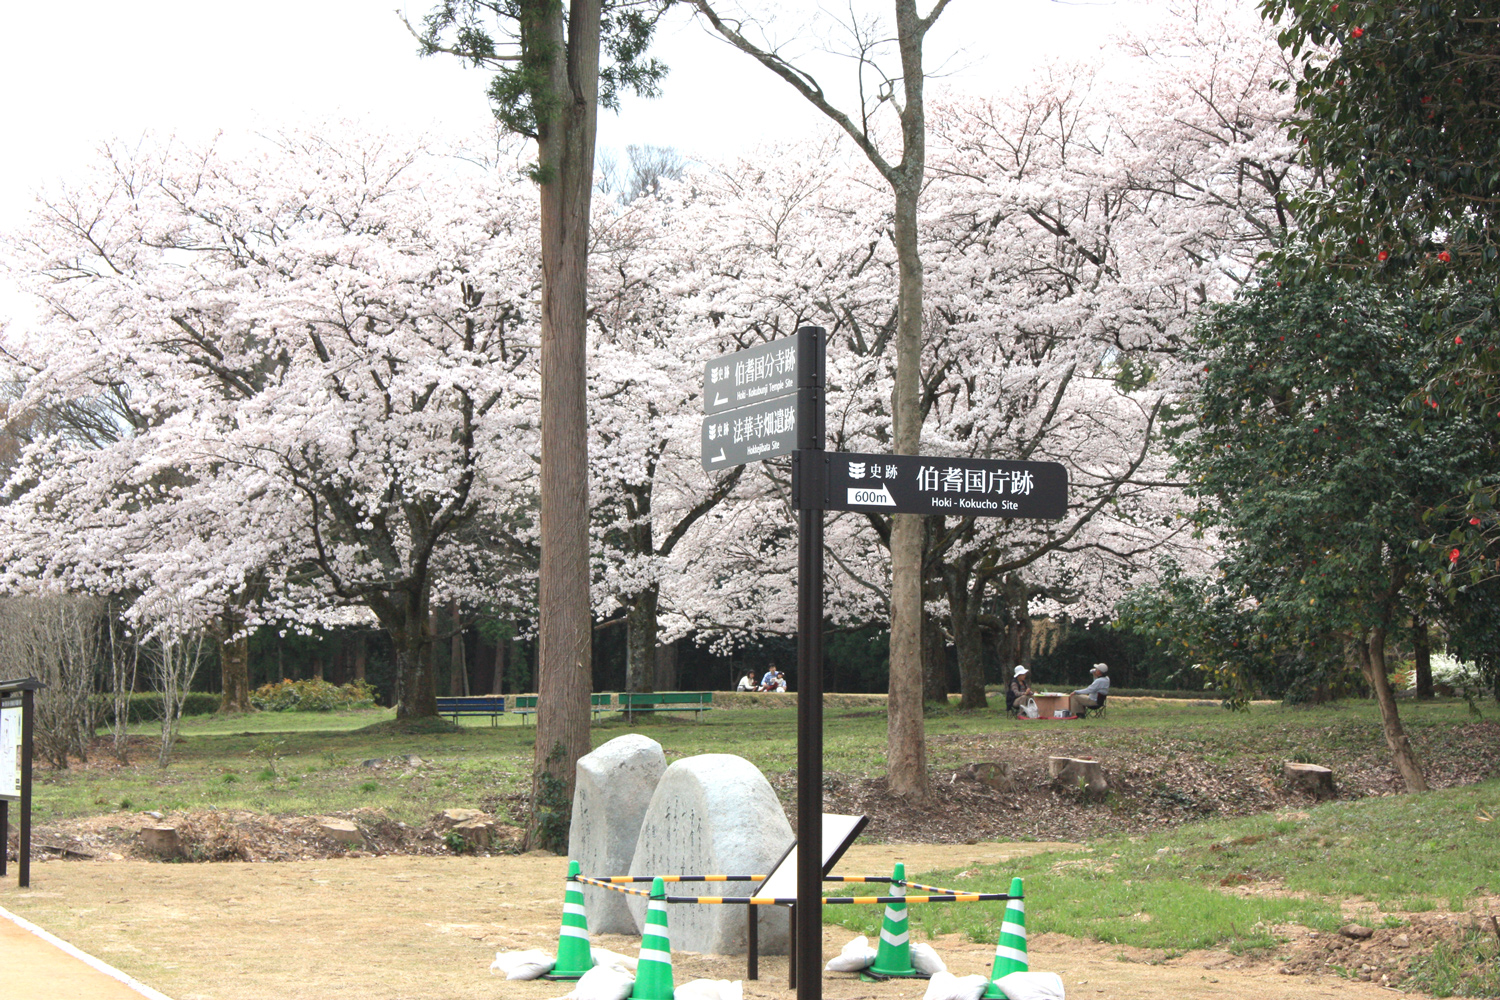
925, 959
946, 986
710, 989
855, 956
614, 960
1031, 986
531, 964
602, 983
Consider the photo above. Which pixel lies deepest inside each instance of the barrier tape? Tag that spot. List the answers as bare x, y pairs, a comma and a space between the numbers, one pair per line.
625, 879
935, 894
956, 897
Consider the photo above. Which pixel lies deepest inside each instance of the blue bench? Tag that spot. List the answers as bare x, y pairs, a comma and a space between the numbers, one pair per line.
479, 704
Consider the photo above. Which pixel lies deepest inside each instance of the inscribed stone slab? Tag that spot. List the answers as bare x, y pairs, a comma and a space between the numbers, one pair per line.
714, 814
610, 797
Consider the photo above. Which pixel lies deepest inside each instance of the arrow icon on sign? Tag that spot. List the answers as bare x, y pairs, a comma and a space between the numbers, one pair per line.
719, 457
720, 400
872, 498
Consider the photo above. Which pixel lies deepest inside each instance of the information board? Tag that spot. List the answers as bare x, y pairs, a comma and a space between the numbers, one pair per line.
10, 749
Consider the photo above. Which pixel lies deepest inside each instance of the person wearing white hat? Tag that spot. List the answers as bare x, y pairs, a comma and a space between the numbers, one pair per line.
1088, 697
1019, 689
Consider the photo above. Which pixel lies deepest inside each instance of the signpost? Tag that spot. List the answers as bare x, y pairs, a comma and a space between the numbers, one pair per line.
751, 414
749, 434
923, 484
17, 699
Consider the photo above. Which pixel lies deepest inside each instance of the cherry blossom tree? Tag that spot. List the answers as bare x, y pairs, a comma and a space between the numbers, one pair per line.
317, 342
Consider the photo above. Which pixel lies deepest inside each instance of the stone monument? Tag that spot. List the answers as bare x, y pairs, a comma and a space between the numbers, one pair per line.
714, 814
613, 788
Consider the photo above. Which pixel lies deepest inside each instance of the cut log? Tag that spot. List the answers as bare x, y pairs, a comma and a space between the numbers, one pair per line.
1073, 773
1313, 779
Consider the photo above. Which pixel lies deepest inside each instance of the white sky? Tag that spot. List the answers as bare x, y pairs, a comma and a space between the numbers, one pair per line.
92, 70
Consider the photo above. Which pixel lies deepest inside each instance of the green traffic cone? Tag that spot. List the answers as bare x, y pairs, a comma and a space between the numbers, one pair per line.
573, 955
1010, 953
653, 973
894, 956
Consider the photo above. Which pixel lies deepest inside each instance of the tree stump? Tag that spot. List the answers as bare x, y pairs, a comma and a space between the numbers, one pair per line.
162, 840
1313, 779
1074, 773
341, 830
994, 774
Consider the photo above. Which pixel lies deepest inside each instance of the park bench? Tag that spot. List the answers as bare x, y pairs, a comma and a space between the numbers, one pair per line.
599, 703
479, 704
696, 702
525, 704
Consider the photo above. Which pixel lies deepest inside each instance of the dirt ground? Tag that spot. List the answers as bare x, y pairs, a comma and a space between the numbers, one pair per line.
406, 927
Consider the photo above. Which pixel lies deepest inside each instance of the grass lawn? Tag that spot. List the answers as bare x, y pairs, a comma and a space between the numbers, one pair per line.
310, 762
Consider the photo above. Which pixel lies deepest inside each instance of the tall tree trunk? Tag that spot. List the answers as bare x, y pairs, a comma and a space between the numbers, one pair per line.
1372, 661
666, 667
497, 664
1422, 648
640, 641
565, 146
934, 663
234, 661
280, 660
359, 656
968, 637
906, 752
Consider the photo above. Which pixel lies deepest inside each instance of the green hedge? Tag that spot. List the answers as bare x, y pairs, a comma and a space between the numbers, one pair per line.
312, 695
145, 706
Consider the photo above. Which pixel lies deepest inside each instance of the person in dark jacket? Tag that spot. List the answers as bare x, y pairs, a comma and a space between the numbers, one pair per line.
1019, 689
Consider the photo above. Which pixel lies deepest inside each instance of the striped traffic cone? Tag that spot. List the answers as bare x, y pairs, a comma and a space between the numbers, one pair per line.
653, 973
1010, 953
894, 956
573, 956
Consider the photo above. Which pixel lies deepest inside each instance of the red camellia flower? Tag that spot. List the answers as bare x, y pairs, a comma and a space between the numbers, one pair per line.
1382, 255
1474, 521
1453, 556
1444, 257
1359, 32
1459, 341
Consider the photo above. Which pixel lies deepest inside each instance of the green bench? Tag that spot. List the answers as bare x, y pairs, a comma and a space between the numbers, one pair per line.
696, 702
479, 704
525, 704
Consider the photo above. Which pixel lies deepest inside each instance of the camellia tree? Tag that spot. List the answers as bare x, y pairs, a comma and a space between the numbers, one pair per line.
1299, 445
1396, 108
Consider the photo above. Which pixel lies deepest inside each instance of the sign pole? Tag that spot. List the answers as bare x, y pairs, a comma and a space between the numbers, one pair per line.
809, 911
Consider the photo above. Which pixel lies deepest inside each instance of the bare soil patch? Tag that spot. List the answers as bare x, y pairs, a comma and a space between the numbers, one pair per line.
1150, 789
401, 928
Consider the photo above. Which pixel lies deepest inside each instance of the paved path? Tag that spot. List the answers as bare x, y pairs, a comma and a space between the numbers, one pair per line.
34, 968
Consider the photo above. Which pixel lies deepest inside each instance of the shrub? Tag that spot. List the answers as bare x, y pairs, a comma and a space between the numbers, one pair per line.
312, 695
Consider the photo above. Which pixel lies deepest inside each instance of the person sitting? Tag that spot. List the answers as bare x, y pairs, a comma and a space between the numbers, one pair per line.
768, 682
780, 682
1088, 697
747, 682
1019, 689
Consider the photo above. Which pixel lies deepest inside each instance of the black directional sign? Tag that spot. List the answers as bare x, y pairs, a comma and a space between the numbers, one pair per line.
750, 434
924, 484
753, 375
